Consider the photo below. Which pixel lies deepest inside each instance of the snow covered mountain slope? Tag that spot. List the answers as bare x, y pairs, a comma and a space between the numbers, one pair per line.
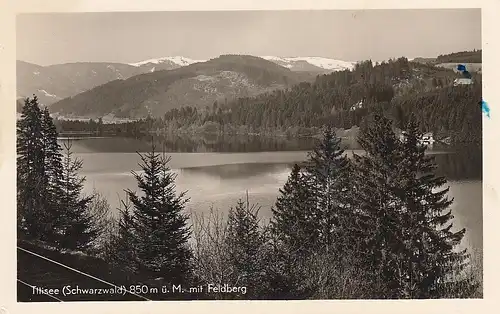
316, 64
178, 61
313, 64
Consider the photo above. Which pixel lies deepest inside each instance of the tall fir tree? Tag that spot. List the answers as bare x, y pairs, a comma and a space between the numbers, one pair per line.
160, 224
432, 263
377, 176
50, 207
313, 219
327, 175
53, 172
33, 219
77, 229
406, 228
293, 236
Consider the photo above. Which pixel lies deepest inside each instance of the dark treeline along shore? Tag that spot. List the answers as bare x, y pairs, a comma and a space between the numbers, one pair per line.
375, 226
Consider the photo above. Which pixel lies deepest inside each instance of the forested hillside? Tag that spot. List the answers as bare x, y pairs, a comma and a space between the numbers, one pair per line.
461, 57
344, 99
474, 56
347, 98
198, 84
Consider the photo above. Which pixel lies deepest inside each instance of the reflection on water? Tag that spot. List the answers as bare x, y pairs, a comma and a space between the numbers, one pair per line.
217, 173
202, 143
235, 171
241, 163
464, 163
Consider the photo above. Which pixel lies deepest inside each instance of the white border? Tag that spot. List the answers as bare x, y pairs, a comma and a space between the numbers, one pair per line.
491, 53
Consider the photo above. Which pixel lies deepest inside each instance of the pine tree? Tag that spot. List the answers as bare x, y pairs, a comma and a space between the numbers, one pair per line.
77, 229
327, 174
32, 180
379, 233
53, 172
245, 245
160, 226
292, 222
405, 227
432, 262
313, 220
293, 237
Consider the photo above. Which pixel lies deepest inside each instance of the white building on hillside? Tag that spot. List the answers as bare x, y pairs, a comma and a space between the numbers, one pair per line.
357, 105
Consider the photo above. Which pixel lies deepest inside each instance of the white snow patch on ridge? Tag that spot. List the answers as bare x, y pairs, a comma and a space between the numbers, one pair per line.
47, 94
182, 61
273, 58
324, 63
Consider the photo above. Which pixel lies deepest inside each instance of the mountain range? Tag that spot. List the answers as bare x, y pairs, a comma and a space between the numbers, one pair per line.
198, 84
55, 82
155, 86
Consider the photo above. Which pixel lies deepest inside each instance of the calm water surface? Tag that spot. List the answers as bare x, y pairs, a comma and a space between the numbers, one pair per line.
217, 171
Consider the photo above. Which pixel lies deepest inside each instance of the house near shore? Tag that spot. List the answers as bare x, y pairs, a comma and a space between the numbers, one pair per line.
427, 138
462, 81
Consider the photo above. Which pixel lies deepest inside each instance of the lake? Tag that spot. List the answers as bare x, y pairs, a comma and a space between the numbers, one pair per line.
218, 170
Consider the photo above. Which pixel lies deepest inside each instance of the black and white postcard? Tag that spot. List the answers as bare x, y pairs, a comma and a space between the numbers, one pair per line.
258, 154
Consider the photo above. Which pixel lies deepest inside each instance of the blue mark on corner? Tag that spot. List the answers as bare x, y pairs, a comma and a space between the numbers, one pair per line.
461, 68
486, 109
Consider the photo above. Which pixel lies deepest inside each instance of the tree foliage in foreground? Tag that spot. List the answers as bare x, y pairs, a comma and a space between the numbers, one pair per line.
34, 216
314, 226
389, 217
435, 264
407, 234
78, 229
160, 229
51, 204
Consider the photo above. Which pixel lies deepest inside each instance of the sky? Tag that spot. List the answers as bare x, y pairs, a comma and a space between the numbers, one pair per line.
126, 37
